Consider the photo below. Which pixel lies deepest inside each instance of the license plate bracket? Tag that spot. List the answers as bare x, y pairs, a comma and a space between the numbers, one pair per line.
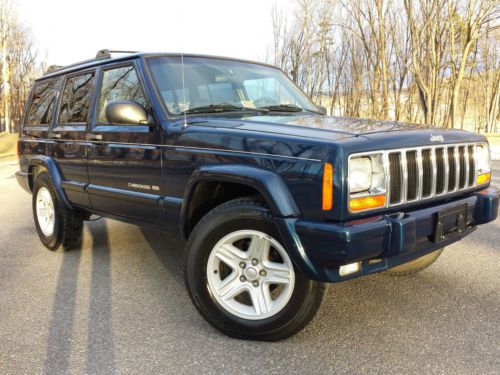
457, 216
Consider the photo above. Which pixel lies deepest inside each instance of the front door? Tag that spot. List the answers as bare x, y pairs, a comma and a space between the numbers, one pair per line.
124, 161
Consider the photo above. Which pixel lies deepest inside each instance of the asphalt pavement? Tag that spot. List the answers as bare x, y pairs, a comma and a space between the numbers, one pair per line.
118, 305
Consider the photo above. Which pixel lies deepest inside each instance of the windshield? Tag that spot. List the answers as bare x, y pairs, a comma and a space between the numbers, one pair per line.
217, 85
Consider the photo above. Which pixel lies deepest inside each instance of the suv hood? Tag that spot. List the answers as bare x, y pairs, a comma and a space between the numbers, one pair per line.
308, 126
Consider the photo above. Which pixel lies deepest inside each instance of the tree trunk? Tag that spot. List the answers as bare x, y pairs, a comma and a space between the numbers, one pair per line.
6, 88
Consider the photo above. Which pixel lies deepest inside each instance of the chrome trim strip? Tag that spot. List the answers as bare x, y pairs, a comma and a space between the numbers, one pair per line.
434, 172
177, 148
385, 159
404, 190
475, 165
467, 163
420, 174
446, 179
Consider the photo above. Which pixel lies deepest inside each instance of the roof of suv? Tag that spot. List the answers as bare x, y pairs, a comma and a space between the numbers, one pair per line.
106, 58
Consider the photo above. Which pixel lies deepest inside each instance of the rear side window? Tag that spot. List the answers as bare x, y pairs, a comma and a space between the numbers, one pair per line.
119, 84
75, 100
42, 103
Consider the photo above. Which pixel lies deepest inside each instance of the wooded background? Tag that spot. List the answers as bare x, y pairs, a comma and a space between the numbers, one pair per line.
428, 61
435, 62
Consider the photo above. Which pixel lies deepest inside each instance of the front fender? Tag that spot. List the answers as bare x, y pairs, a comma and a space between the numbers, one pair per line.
272, 188
269, 184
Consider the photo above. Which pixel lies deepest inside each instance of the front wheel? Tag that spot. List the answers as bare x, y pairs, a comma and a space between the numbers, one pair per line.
241, 278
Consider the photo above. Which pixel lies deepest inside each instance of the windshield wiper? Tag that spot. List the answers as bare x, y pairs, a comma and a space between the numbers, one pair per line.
222, 107
283, 108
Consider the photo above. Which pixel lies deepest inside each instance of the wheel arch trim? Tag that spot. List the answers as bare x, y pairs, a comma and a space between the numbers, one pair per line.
269, 184
54, 173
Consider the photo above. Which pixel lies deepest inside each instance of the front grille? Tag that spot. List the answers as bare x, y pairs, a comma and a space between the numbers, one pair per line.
427, 172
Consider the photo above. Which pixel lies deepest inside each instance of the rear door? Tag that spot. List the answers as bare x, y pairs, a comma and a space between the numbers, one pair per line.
68, 144
124, 161
38, 120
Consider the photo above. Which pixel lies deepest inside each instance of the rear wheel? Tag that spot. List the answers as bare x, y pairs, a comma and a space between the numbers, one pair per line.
56, 225
241, 278
416, 265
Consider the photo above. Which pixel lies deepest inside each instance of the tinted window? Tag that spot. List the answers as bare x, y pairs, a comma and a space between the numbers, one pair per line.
75, 101
44, 97
119, 84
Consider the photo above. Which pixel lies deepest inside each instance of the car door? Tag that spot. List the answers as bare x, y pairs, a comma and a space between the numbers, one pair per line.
68, 144
124, 161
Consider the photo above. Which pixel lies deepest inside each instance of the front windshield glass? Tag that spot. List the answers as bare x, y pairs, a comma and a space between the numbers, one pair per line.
217, 85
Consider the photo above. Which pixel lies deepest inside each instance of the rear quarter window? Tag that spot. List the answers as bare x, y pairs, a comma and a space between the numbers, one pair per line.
75, 100
42, 103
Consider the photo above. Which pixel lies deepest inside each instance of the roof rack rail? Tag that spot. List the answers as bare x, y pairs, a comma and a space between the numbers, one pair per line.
101, 54
52, 68
106, 53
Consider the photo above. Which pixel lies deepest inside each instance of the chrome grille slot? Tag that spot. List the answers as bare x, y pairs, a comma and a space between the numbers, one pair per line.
472, 166
440, 171
452, 165
427, 177
462, 180
395, 169
412, 168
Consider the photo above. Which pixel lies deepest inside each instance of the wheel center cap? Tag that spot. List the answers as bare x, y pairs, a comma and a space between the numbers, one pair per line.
251, 273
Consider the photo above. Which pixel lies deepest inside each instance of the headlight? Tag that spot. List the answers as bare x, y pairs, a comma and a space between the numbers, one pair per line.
366, 174
367, 182
483, 164
360, 174
483, 158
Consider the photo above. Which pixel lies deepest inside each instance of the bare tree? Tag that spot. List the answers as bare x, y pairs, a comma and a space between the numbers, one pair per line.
17, 66
466, 27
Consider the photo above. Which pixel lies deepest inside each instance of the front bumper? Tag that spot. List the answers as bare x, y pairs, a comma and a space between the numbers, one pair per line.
385, 241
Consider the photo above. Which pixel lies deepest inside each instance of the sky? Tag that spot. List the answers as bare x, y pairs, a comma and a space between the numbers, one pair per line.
67, 31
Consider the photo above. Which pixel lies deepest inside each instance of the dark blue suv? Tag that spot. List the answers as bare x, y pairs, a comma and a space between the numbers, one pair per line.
273, 197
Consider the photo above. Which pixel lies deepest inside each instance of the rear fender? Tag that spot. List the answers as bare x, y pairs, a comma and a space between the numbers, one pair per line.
51, 167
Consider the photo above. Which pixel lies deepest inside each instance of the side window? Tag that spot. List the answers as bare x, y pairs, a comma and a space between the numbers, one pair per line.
42, 103
75, 101
119, 84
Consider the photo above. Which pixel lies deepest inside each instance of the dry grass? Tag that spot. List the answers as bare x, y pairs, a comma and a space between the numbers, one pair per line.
8, 144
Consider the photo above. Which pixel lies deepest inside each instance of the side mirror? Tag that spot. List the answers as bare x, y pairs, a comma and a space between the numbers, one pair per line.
322, 109
126, 112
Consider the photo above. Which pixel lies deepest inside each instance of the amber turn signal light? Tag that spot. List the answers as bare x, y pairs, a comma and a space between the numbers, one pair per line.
366, 203
483, 178
327, 187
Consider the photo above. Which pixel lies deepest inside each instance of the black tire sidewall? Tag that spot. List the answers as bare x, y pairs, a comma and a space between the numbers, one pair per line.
203, 240
53, 241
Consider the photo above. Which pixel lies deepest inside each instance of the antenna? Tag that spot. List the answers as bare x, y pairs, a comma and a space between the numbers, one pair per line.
181, 16
183, 89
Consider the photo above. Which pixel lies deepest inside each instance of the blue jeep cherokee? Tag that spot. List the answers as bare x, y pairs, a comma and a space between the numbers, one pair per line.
273, 197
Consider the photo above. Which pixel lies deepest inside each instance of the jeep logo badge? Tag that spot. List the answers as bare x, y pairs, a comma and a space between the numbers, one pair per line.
437, 138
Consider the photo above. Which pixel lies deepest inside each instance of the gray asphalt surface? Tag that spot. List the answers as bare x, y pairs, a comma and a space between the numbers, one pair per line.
118, 305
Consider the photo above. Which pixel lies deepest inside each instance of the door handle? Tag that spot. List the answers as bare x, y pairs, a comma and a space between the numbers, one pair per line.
93, 137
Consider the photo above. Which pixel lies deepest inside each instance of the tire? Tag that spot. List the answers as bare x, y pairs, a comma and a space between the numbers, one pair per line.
258, 308
416, 265
57, 226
